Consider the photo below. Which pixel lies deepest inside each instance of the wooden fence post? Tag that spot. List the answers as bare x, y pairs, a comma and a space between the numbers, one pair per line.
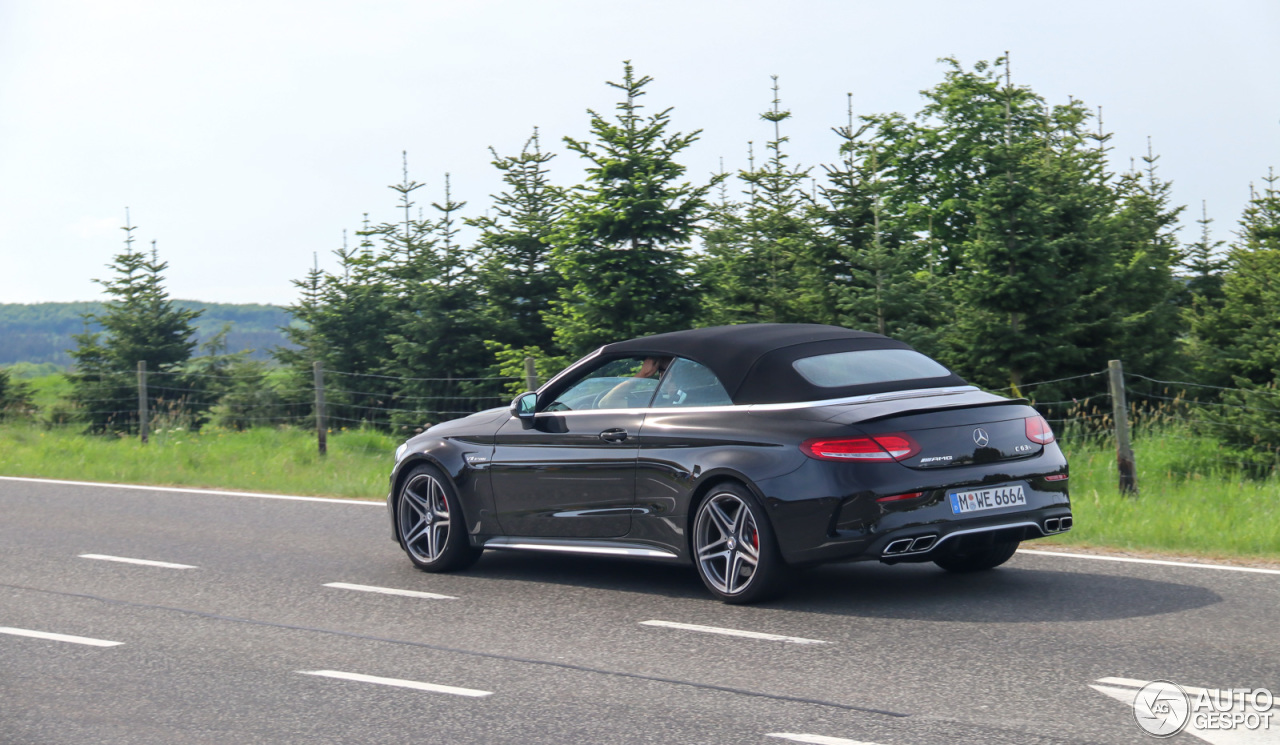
1120, 413
142, 401
322, 427
530, 374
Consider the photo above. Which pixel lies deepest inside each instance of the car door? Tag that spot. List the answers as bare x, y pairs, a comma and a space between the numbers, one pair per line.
572, 472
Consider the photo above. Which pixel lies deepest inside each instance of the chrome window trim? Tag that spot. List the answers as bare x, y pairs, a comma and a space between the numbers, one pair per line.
571, 368
870, 398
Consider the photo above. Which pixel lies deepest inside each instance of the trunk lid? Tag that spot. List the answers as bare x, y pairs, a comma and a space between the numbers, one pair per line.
990, 432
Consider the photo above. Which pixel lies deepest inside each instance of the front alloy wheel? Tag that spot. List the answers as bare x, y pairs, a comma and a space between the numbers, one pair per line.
734, 548
430, 531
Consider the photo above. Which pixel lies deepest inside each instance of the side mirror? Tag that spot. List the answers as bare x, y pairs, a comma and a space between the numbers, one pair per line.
524, 407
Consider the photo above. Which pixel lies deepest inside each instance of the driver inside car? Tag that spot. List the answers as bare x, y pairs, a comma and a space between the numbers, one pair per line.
652, 369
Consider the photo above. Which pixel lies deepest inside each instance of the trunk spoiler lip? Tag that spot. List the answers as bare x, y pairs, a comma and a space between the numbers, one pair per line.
871, 411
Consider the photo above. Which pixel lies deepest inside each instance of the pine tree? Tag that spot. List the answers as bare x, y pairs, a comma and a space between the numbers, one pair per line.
622, 245
875, 266
1205, 262
513, 249
1237, 343
1011, 199
437, 337
343, 320
140, 323
1145, 292
15, 396
767, 268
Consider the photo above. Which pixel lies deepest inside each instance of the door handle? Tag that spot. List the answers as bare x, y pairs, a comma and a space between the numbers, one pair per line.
613, 435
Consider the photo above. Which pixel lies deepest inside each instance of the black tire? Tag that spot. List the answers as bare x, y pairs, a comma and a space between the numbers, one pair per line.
978, 560
734, 549
430, 524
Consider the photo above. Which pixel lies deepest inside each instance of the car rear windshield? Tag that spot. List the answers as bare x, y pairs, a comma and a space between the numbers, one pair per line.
867, 366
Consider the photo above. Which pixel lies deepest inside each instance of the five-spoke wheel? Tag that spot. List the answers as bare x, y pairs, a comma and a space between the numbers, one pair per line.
430, 531
734, 548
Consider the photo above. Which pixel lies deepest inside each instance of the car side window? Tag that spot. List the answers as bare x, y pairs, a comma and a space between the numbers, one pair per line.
617, 384
689, 384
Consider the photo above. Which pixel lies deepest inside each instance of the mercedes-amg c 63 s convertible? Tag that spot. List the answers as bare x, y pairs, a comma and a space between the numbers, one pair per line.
745, 450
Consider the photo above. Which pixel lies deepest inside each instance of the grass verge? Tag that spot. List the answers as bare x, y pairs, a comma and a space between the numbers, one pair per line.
284, 461
1190, 502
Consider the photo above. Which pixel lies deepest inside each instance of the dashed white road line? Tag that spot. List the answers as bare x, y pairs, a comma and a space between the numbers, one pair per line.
390, 591
143, 562
816, 739
1157, 562
733, 632
414, 684
1126, 690
177, 490
59, 637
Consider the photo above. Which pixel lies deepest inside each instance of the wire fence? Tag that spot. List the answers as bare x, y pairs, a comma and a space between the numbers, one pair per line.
1218, 426
181, 399
1199, 428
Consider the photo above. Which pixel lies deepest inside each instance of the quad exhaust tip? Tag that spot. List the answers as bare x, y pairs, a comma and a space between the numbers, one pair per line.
924, 543
915, 545
1057, 524
900, 546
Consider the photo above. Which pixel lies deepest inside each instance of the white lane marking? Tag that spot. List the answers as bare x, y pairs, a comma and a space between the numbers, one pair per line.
816, 739
416, 685
143, 562
1238, 736
210, 492
390, 591
1135, 684
1158, 562
59, 637
733, 632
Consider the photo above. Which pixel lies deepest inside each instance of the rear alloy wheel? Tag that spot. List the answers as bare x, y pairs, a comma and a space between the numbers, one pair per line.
430, 525
734, 547
987, 557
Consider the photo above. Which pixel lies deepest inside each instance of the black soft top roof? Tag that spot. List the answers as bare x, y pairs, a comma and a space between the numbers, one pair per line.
753, 360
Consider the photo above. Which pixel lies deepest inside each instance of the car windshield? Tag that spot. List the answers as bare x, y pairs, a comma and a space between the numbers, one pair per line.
867, 366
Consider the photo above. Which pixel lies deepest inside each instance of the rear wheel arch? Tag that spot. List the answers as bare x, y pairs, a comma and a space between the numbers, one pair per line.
705, 489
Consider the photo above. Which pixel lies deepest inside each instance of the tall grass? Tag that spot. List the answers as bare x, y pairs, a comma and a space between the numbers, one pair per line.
1195, 495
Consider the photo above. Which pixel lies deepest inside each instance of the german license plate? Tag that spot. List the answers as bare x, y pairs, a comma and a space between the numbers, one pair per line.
963, 502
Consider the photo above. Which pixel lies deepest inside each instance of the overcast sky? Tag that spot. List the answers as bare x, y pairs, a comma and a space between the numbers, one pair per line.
245, 136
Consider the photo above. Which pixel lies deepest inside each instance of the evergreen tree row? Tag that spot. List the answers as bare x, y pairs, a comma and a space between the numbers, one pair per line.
989, 229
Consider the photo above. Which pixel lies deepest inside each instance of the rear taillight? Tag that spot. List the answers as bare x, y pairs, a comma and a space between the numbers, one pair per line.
1038, 430
877, 449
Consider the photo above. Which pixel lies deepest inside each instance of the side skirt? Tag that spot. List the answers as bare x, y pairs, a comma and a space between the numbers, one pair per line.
580, 547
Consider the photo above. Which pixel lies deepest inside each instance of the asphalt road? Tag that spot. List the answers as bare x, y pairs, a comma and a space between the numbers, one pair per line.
555, 649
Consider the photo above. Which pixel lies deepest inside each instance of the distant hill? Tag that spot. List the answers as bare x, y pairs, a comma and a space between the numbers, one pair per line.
41, 332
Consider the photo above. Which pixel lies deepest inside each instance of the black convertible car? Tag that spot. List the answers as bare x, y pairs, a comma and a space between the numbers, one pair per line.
744, 450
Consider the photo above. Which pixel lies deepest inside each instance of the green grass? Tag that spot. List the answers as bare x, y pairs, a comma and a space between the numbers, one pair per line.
1191, 500
268, 460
